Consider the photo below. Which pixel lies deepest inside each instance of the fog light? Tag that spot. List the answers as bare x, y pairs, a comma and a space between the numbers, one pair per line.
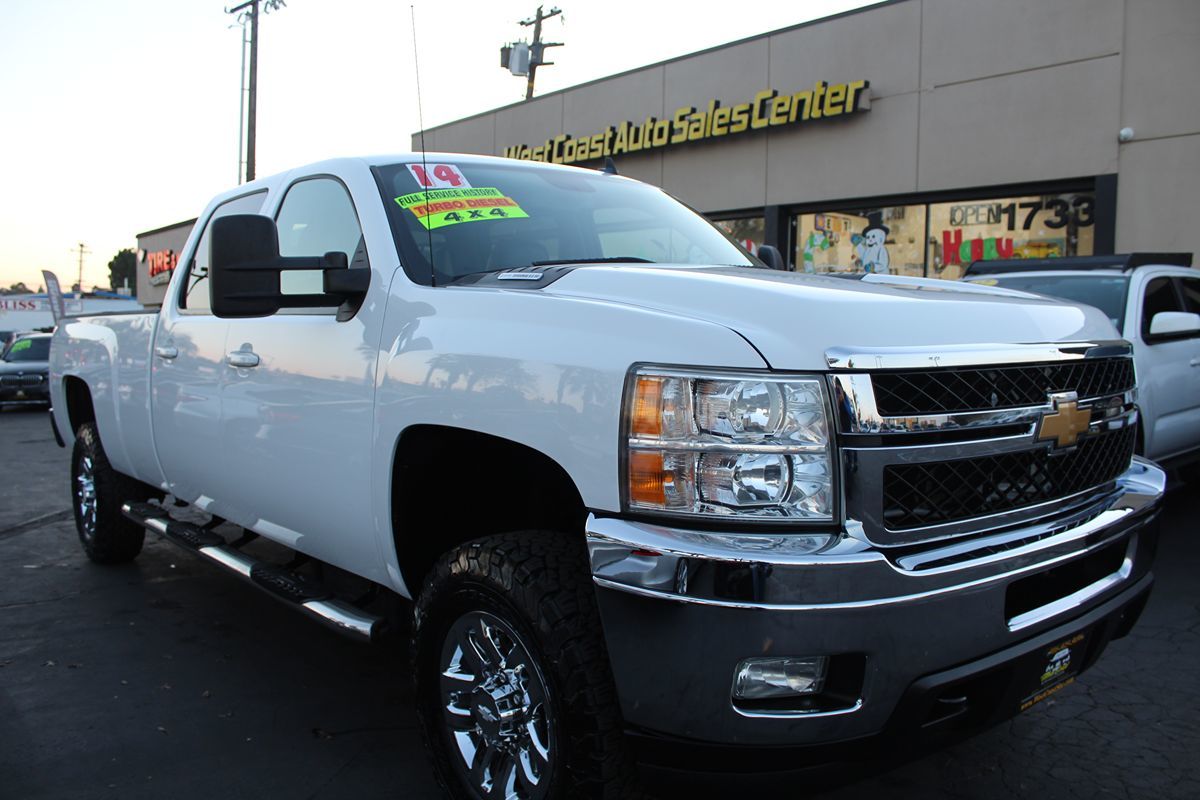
765, 678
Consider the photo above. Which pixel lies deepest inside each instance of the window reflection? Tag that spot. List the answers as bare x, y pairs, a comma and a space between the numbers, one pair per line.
749, 232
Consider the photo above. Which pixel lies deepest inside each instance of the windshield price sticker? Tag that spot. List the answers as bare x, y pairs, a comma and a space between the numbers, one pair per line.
442, 207
438, 176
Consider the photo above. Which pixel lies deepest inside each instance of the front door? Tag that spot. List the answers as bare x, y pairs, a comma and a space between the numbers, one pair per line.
297, 403
1169, 375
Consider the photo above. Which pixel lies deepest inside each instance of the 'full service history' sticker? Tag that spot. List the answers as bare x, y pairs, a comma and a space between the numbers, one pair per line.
438, 208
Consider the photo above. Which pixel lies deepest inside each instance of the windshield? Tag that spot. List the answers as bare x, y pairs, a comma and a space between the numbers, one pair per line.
1105, 292
30, 349
490, 217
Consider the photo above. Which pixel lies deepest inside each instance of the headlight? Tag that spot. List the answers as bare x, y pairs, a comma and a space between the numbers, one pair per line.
747, 445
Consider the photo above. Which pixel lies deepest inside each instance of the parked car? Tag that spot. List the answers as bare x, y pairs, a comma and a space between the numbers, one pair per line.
1154, 300
642, 498
25, 370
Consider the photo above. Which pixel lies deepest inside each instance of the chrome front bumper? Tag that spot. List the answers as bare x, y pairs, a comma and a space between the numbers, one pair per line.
681, 608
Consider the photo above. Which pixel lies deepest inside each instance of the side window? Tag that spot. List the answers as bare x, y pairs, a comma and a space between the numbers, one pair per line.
1160, 296
1191, 294
194, 294
317, 217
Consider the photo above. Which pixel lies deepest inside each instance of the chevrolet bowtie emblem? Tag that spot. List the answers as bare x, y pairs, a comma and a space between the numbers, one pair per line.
1065, 422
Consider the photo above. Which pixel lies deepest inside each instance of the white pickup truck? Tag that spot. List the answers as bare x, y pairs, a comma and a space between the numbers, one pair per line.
1153, 299
652, 502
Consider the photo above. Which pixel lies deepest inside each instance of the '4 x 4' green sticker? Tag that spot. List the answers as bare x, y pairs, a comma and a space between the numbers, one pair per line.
438, 208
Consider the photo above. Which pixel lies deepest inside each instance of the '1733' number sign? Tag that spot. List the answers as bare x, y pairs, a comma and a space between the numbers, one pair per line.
1079, 209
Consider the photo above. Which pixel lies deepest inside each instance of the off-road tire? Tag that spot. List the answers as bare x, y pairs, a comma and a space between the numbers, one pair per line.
537, 582
110, 538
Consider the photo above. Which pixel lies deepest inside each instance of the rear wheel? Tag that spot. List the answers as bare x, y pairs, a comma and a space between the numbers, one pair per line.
97, 494
513, 686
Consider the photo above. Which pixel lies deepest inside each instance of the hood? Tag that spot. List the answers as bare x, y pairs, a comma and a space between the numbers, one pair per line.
794, 318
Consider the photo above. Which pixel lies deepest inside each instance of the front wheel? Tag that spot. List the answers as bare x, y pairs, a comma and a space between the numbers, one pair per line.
513, 686
98, 491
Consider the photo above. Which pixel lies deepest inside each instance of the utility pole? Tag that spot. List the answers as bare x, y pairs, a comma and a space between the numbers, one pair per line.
252, 103
242, 104
537, 47
82, 252
248, 12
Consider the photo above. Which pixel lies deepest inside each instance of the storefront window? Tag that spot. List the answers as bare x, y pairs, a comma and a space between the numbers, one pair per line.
750, 232
1046, 226
887, 240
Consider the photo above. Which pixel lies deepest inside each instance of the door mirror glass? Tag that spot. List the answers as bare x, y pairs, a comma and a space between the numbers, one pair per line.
1174, 323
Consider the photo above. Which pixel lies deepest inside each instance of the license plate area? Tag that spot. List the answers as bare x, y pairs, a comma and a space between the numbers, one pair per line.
1046, 672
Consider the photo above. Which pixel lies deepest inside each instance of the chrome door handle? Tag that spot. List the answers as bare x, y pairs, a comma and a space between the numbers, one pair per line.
242, 359
1195, 362
166, 351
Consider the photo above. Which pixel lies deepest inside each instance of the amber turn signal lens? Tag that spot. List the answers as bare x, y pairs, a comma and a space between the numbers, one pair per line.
646, 478
647, 407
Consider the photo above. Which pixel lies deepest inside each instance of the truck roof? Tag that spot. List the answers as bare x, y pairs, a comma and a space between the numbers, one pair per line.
266, 182
1119, 262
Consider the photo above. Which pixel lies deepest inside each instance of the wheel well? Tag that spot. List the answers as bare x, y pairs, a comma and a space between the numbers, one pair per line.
79, 402
450, 486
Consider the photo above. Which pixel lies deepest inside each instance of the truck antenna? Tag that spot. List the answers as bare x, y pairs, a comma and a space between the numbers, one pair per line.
424, 167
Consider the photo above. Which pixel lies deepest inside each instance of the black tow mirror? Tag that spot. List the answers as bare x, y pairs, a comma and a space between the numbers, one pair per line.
770, 255
245, 269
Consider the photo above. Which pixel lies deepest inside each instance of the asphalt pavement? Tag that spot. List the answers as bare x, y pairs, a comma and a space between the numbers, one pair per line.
169, 678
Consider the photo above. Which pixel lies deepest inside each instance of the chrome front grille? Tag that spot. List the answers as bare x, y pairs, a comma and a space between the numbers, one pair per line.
943, 391
919, 495
931, 451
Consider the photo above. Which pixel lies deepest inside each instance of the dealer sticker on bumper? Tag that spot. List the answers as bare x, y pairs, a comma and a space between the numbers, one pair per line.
1059, 666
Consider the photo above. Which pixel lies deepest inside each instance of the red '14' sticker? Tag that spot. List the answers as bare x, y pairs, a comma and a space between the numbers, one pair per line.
438, 176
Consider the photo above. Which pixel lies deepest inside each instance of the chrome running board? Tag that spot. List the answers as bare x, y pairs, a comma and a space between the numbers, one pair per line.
299, 592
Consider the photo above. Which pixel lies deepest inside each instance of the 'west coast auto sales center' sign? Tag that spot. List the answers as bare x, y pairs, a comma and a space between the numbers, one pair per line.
767, 109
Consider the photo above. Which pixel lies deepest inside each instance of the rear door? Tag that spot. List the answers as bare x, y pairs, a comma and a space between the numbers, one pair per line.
187, 368
297, 404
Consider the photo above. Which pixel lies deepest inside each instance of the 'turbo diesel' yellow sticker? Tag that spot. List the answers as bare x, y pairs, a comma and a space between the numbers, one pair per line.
438, 208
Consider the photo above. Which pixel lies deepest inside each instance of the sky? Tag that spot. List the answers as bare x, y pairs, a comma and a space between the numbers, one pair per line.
121, 116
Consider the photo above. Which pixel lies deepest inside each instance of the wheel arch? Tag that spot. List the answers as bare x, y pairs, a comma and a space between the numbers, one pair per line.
451, 485
80, 407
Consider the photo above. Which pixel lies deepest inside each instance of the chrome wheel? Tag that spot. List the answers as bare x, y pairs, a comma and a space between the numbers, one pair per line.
496, 709
85, 496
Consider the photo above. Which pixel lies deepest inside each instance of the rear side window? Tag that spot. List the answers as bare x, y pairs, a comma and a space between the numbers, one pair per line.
1160, 296
194, 294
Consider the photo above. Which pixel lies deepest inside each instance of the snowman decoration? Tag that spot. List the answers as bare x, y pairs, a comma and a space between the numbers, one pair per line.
872, 253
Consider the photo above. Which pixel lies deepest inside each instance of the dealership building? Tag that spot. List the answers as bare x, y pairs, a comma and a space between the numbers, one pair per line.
911, 136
